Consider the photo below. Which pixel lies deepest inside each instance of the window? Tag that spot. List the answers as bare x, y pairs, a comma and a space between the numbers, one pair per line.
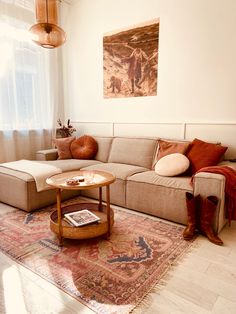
24, 71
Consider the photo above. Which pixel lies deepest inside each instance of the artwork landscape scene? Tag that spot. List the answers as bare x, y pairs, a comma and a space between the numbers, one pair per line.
130, 61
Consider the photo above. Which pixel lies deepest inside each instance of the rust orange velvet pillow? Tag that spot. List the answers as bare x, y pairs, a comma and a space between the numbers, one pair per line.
63, 147
202, 154
170, 147
84, 147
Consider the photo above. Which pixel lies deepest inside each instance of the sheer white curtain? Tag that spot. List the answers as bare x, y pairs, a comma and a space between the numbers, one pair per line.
29, 84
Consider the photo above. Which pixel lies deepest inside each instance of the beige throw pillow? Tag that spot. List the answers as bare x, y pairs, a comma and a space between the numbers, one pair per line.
63, 147
172, 165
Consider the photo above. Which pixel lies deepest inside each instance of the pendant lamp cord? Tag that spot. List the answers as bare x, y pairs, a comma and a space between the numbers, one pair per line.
47, 10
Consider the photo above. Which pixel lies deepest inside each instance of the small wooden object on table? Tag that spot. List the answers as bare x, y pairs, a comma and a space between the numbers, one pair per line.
92, 179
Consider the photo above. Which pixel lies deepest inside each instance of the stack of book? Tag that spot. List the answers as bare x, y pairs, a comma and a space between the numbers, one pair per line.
81, 218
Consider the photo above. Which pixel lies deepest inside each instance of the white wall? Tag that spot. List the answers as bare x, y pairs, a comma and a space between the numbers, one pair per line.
197, 60
196, 72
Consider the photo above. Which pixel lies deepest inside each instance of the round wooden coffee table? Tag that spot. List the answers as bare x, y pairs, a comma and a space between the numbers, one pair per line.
92, 179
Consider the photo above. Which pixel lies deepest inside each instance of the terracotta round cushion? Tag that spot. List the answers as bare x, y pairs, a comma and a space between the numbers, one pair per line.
84, 147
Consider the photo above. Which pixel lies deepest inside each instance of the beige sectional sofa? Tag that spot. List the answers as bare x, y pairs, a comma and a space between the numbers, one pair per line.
137, 186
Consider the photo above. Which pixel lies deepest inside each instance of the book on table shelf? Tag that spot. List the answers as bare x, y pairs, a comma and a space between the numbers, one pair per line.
68, 221
81, 218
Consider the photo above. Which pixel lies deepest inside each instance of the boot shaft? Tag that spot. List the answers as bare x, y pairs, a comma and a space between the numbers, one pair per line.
192, 203
207, 209
207, 214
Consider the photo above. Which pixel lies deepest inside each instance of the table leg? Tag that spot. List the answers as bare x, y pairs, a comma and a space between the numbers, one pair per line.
100, 199
108, 210
59, 216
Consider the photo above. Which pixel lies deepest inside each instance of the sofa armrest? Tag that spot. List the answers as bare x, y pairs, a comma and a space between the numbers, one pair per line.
207, 184
47, 154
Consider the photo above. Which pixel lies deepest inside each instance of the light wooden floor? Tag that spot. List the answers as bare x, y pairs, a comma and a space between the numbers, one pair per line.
203, 282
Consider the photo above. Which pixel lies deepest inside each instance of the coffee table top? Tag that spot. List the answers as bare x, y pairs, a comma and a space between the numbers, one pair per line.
100, 178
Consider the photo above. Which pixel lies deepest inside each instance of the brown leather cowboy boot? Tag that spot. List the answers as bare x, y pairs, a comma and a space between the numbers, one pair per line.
192, 203
207, 212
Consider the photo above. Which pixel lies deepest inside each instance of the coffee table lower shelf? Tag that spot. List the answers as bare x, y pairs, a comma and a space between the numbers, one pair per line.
84, 232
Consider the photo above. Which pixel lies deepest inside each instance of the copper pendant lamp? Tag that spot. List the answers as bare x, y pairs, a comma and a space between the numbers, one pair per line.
46, 33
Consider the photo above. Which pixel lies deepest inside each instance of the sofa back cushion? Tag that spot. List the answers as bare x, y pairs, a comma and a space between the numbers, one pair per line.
133, 151
104, 147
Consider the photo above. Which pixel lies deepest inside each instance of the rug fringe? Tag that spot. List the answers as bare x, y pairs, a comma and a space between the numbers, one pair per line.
147, 300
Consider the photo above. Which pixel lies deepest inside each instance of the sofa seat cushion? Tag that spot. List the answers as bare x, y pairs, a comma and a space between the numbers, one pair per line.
18, 189
120, 171
163, 197
71, 164
151, 177
23, 176
118, 188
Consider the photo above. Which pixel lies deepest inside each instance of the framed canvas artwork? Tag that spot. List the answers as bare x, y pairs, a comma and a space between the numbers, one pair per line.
130, 61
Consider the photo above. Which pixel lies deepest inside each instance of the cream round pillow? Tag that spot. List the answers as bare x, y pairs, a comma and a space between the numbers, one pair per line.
171, 165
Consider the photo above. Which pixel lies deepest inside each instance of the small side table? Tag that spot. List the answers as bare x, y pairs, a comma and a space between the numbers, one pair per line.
105, 212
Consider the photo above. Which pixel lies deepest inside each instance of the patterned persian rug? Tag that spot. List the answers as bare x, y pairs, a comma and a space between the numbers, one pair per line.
108, 276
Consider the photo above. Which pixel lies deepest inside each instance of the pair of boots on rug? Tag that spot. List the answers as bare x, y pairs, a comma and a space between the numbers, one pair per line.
200, 216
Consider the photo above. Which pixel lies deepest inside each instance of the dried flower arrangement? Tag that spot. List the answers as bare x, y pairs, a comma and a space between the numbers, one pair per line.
65, 130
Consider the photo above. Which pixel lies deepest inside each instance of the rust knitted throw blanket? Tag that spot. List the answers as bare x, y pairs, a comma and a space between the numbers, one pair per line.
230, 187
